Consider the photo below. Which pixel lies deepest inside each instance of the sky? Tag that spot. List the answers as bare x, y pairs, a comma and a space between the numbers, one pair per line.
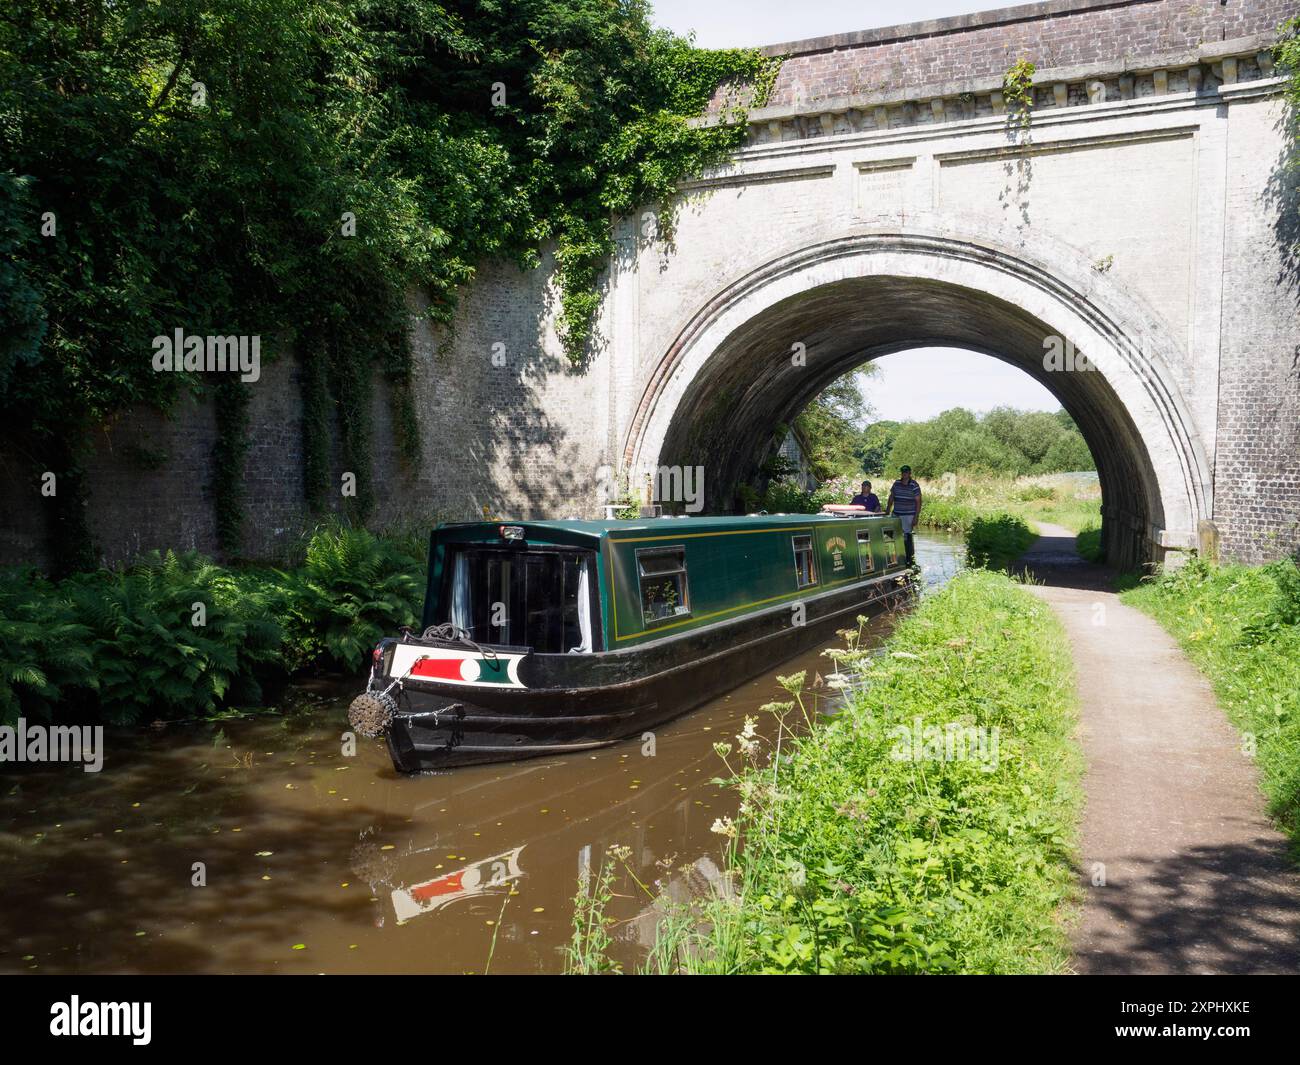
918, 384
744, 23
911, 385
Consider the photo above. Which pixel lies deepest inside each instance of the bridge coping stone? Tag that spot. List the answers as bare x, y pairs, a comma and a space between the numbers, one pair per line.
1229, 63
935, 27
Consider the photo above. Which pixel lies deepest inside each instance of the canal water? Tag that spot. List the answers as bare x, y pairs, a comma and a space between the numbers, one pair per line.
259, 845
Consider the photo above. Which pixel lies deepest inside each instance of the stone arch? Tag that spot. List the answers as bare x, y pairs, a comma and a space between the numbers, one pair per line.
727, 378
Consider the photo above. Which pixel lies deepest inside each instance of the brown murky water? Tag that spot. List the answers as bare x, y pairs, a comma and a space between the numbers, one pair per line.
319, 862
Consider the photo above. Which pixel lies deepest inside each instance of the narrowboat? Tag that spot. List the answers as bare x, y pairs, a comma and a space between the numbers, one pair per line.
547, 637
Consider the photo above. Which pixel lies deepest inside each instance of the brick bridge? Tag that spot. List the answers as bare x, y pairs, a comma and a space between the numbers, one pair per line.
889, 197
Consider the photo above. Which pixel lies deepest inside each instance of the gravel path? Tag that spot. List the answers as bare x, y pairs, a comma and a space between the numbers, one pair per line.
1196, 880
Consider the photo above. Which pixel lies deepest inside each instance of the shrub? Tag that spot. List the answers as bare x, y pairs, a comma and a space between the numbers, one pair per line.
178, 636
941, 513
786, 497
997, 541
1284, 608
1088, 544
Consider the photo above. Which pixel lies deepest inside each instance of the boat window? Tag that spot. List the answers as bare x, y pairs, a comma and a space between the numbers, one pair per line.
661, 573
537, 599
805, 569
891, 548
865, 562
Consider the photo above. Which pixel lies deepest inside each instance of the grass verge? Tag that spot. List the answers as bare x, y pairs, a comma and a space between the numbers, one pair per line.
1088, 544
1241, 626
1071, 500
928, 827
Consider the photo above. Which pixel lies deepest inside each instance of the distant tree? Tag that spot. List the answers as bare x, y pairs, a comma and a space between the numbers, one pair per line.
1068, 454
1001, 422
1063, 416
1036, 432
832, 425
874, 445
955, 420
977, 451
919, 445
1004, 441
1030, 433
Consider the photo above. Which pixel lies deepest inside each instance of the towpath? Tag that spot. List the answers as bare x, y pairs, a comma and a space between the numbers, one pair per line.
1181, 870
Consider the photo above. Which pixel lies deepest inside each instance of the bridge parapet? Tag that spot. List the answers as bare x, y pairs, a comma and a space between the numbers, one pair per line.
1085, 52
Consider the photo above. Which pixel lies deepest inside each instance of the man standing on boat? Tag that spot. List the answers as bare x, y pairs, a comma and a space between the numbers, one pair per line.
905, 502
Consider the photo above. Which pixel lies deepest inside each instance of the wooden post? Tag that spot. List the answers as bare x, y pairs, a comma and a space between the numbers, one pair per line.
1207, 537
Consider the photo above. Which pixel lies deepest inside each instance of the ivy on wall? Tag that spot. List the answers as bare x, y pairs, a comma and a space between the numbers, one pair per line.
1284, 184
1287, 57
290, 169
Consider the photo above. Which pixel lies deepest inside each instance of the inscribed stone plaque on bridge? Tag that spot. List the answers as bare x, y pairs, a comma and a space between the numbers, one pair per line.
882, 190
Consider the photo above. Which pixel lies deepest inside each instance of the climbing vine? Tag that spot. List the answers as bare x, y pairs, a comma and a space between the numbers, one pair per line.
292, 170
230, 405
1018, 91
1286, 54
1283, 182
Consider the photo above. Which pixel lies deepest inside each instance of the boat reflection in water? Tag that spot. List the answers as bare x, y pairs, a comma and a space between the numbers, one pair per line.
658, 807
479, 878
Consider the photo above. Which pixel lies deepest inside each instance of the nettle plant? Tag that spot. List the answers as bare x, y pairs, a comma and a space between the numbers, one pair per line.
295, 170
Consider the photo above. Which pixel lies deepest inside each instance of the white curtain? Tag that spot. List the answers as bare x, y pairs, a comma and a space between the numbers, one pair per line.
460, 593
584, 610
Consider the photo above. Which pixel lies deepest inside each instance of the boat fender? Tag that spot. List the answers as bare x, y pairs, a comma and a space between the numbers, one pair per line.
372, 712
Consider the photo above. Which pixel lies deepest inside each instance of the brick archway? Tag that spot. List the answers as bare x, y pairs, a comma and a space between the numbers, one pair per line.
714, 396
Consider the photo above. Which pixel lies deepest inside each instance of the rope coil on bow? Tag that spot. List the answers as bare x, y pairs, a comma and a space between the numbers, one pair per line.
455, 634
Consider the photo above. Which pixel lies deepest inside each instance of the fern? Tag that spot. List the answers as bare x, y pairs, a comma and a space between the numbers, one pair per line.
42, 651
151, 655
353, 589
127, 646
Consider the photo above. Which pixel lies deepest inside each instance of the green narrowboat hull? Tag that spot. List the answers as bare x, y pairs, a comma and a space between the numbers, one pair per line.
454, 699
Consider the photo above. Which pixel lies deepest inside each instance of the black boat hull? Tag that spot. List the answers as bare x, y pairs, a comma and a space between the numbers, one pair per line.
574, 703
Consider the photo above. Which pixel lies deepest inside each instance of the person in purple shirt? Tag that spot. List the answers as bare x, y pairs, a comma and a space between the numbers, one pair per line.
866, 498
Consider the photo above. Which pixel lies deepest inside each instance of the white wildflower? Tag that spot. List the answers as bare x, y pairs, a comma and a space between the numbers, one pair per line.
724, 826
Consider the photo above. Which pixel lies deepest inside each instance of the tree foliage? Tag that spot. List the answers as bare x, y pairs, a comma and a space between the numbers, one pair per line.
190, 165
832, 424
1001, 441
1286, 54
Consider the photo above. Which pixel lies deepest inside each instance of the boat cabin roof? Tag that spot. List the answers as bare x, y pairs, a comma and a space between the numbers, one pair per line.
575, 531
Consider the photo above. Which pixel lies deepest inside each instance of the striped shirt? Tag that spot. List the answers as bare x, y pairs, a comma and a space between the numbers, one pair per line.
907, 497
